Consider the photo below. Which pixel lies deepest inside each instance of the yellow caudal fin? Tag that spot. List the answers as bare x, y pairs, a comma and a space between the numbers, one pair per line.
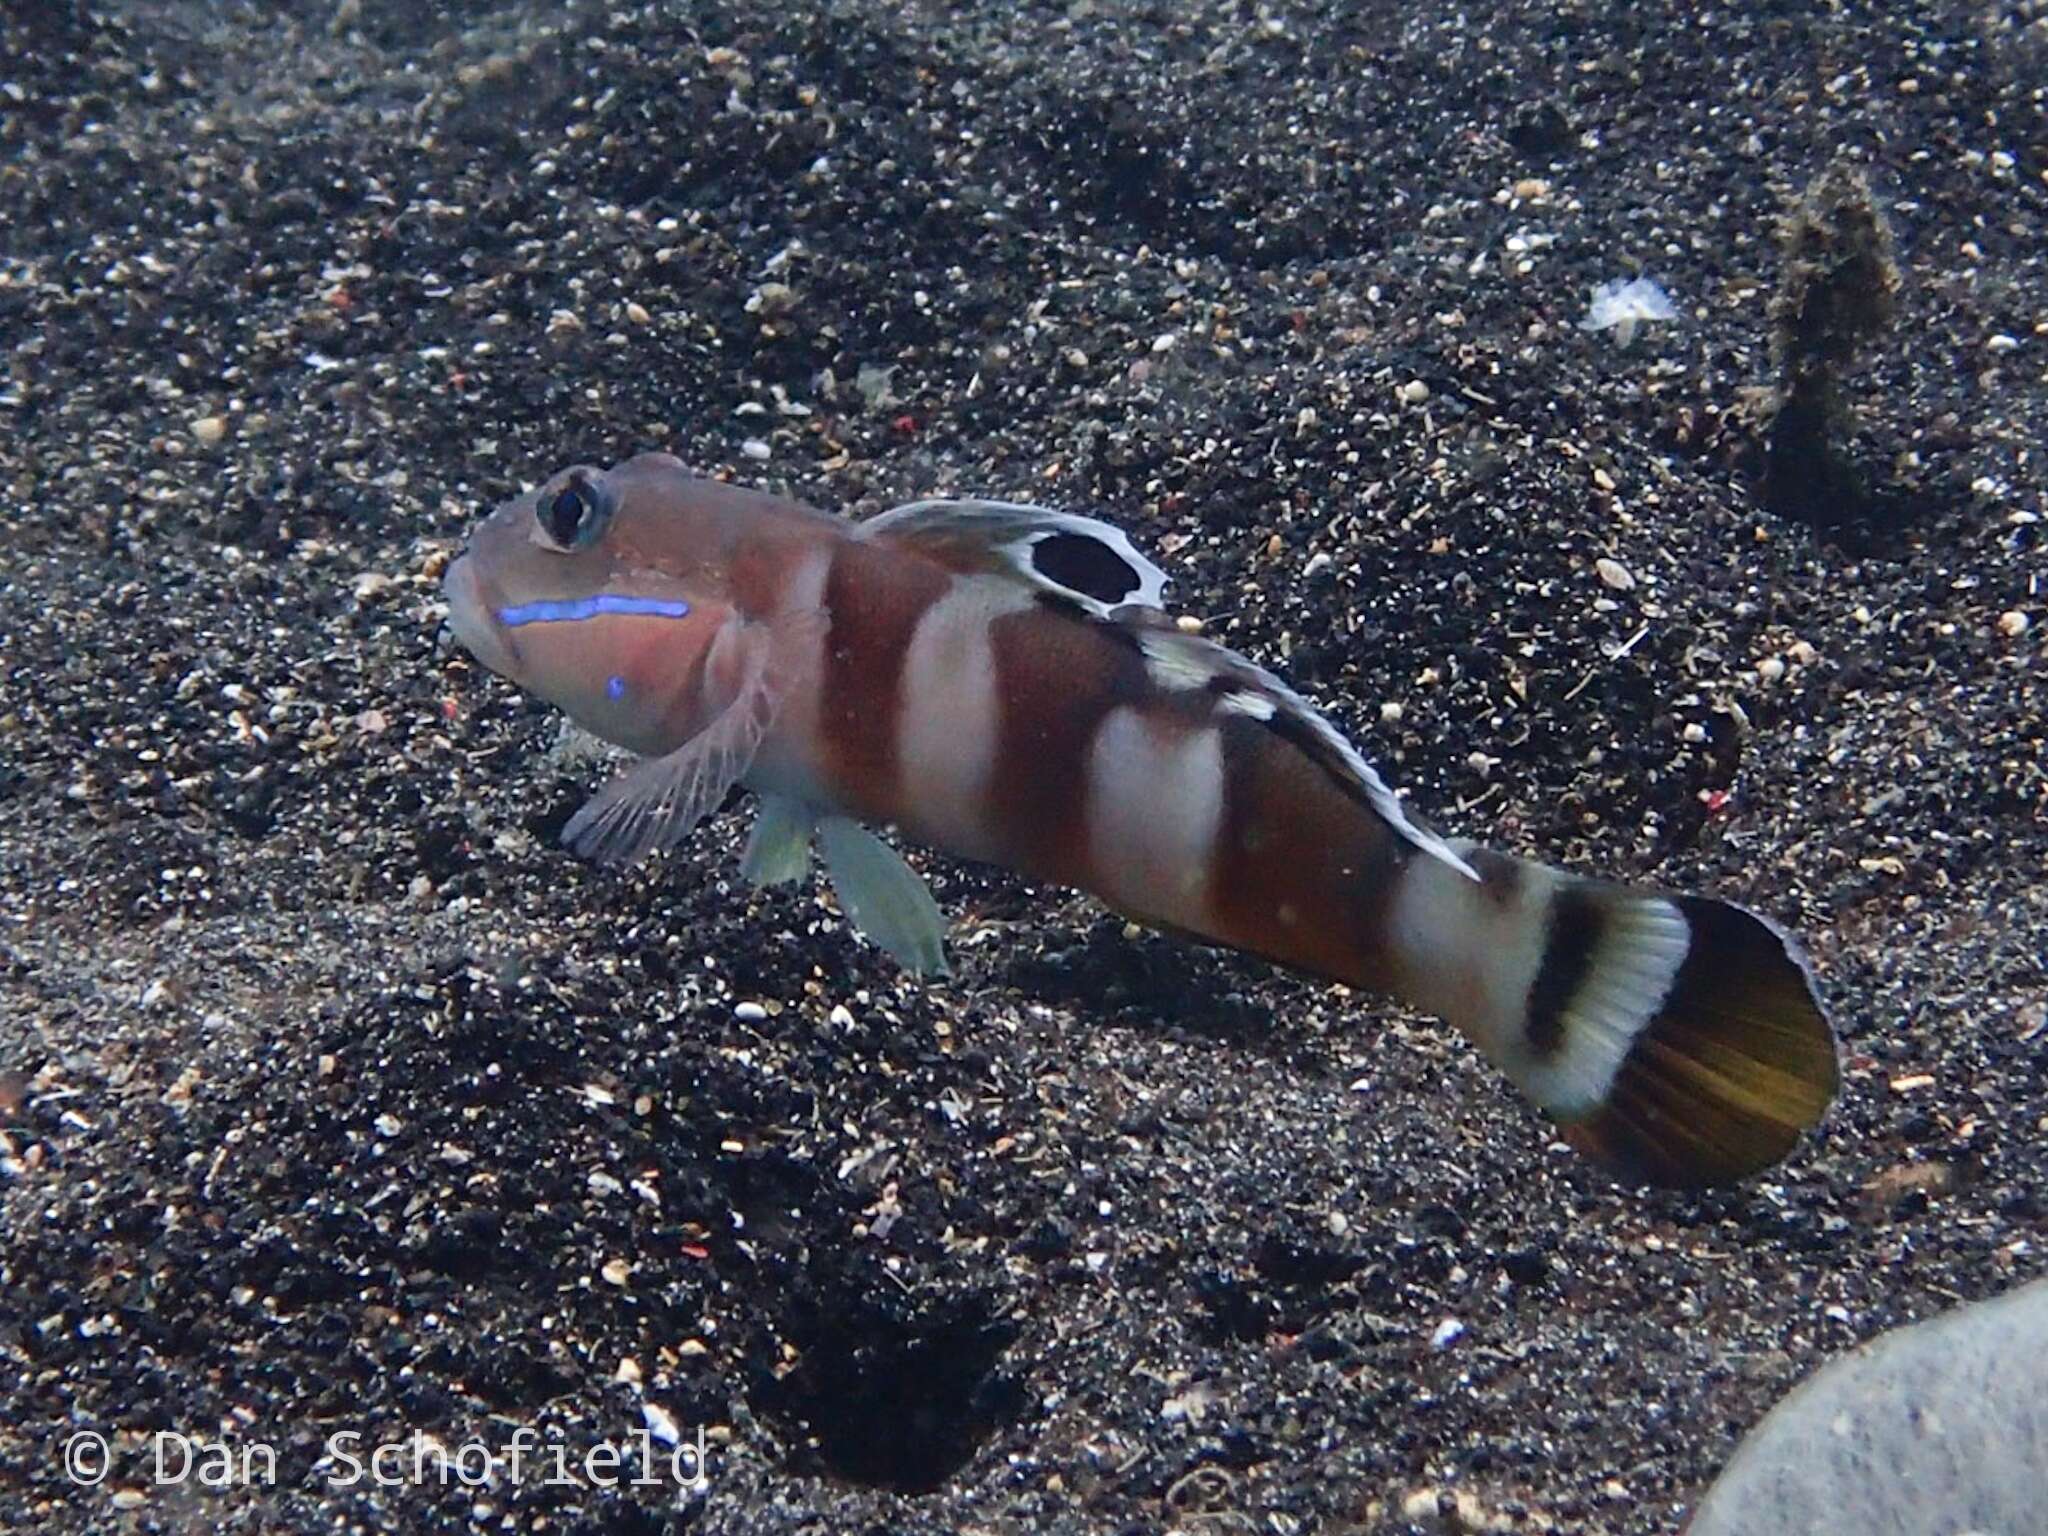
1676, 1039
1735, 1062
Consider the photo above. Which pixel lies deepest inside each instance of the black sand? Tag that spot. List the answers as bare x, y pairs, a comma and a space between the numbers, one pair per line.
338, 1099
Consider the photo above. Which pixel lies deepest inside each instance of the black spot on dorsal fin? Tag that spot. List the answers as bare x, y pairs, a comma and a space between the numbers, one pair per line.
1085, 564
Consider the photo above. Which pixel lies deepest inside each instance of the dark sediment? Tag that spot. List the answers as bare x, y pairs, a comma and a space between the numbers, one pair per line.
337, 1099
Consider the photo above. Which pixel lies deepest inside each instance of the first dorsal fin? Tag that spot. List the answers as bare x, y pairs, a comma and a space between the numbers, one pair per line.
1082, 559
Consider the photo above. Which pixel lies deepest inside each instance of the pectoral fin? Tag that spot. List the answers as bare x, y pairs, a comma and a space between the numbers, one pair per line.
655, 804
886, 899
779, 847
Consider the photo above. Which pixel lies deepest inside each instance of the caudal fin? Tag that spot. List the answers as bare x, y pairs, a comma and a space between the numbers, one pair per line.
1735, 1062
1676, 1039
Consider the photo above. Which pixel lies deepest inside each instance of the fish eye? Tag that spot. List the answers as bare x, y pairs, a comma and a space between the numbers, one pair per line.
572, 515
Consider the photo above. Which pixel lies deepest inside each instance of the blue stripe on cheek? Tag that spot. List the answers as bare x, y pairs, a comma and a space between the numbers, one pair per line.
615, 687
569, 610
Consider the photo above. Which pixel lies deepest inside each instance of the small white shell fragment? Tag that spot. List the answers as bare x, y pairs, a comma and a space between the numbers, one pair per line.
1622, 306
1613, 573
772, 299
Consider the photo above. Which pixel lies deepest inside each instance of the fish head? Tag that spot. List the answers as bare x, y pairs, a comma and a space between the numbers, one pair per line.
600, 591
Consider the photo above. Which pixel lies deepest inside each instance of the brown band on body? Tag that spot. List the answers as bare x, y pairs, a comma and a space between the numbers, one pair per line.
1303, 871
876, 598
1058, 676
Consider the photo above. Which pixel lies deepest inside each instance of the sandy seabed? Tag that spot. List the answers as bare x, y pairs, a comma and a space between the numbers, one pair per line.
335, 1100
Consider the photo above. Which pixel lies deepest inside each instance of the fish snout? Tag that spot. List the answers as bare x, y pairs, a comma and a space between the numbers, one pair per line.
473, 615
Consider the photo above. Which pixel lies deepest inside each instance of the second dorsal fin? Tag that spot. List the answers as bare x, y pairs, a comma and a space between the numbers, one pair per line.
1177, 661
1080, 558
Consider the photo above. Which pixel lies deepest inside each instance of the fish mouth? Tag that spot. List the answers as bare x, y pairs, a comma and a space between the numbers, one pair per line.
473, 615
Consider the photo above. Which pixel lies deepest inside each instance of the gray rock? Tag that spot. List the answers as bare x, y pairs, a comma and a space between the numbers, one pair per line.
1940, 1429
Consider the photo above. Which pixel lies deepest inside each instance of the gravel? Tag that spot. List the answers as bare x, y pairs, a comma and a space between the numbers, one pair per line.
336, 1100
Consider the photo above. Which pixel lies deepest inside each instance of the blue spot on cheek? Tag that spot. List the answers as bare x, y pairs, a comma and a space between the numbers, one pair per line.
570, 610
615, 687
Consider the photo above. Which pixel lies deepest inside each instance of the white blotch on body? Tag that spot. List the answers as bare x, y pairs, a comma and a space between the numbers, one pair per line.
1155, 808
951, 714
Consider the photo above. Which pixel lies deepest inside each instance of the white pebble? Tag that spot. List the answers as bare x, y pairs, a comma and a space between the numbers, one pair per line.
660, 1423
755, 449
2002, 344
1420, 1507
749, 1013
1448, 1332
772, 299
2014, 624
211, 429
1414, 392
1771, 669
1613, 573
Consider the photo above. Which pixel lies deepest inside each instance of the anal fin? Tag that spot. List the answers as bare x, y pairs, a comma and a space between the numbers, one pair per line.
886, 899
